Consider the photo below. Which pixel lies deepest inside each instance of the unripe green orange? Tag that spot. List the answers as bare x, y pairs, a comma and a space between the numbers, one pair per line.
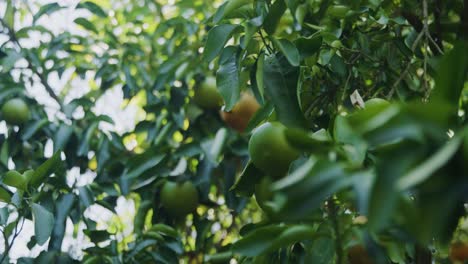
270, 151
15, 112
207, 95
179, 199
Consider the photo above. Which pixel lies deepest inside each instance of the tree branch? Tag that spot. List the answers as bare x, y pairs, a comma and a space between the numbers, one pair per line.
333, 214
406, 70
41, 76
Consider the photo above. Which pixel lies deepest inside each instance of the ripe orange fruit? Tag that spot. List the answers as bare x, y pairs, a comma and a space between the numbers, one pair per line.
357, 254
459, 252
242, 112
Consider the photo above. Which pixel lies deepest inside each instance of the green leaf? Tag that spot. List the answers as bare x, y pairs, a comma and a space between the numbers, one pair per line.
43, 223
245, 184
140, 216
228, 77
45, 170
256, 78
427, 168
86, 140
4, 213
24, 32
232, 5
10, 60
4, 154
451, 75
217, 38
46, 10
86, 196
262, 114
85, 24
9, 92
62, 136
321, 251
280, 86
305, 189
144, 166
257, 241
274, 15
9, 15
270, 238
308, 46
32, 128
164, 230
15, 179
129, 80
62, 209
140, 246
288, 49
301, 140
384, 193
217, 145
5, 195
337, 65
97, 236
93, 8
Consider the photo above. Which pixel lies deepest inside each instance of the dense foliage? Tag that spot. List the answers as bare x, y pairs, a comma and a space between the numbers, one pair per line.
266, 131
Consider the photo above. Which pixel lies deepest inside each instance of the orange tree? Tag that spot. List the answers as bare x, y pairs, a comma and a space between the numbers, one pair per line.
326, 170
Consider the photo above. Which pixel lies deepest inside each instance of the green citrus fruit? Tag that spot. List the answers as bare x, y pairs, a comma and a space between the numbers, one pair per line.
242, 112
270, 151
179, 199
15, 112
207, 95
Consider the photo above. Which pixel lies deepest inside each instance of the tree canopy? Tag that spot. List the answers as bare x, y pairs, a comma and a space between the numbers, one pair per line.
264, 131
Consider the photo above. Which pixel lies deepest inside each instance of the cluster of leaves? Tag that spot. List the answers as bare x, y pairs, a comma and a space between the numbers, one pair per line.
154, 58
393, 163
390, 176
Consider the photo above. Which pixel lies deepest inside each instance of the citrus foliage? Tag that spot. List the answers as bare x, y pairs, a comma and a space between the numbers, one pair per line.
323, 169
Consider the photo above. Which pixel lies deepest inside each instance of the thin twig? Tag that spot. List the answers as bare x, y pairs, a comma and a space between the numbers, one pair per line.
424, 31
8, 245
406, 70
41, 76
265, 43
426, 27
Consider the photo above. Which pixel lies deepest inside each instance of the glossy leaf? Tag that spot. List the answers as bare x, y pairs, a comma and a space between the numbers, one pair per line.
216, 39
45, 170
228, 77
43, 223
280, 86
46, 10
